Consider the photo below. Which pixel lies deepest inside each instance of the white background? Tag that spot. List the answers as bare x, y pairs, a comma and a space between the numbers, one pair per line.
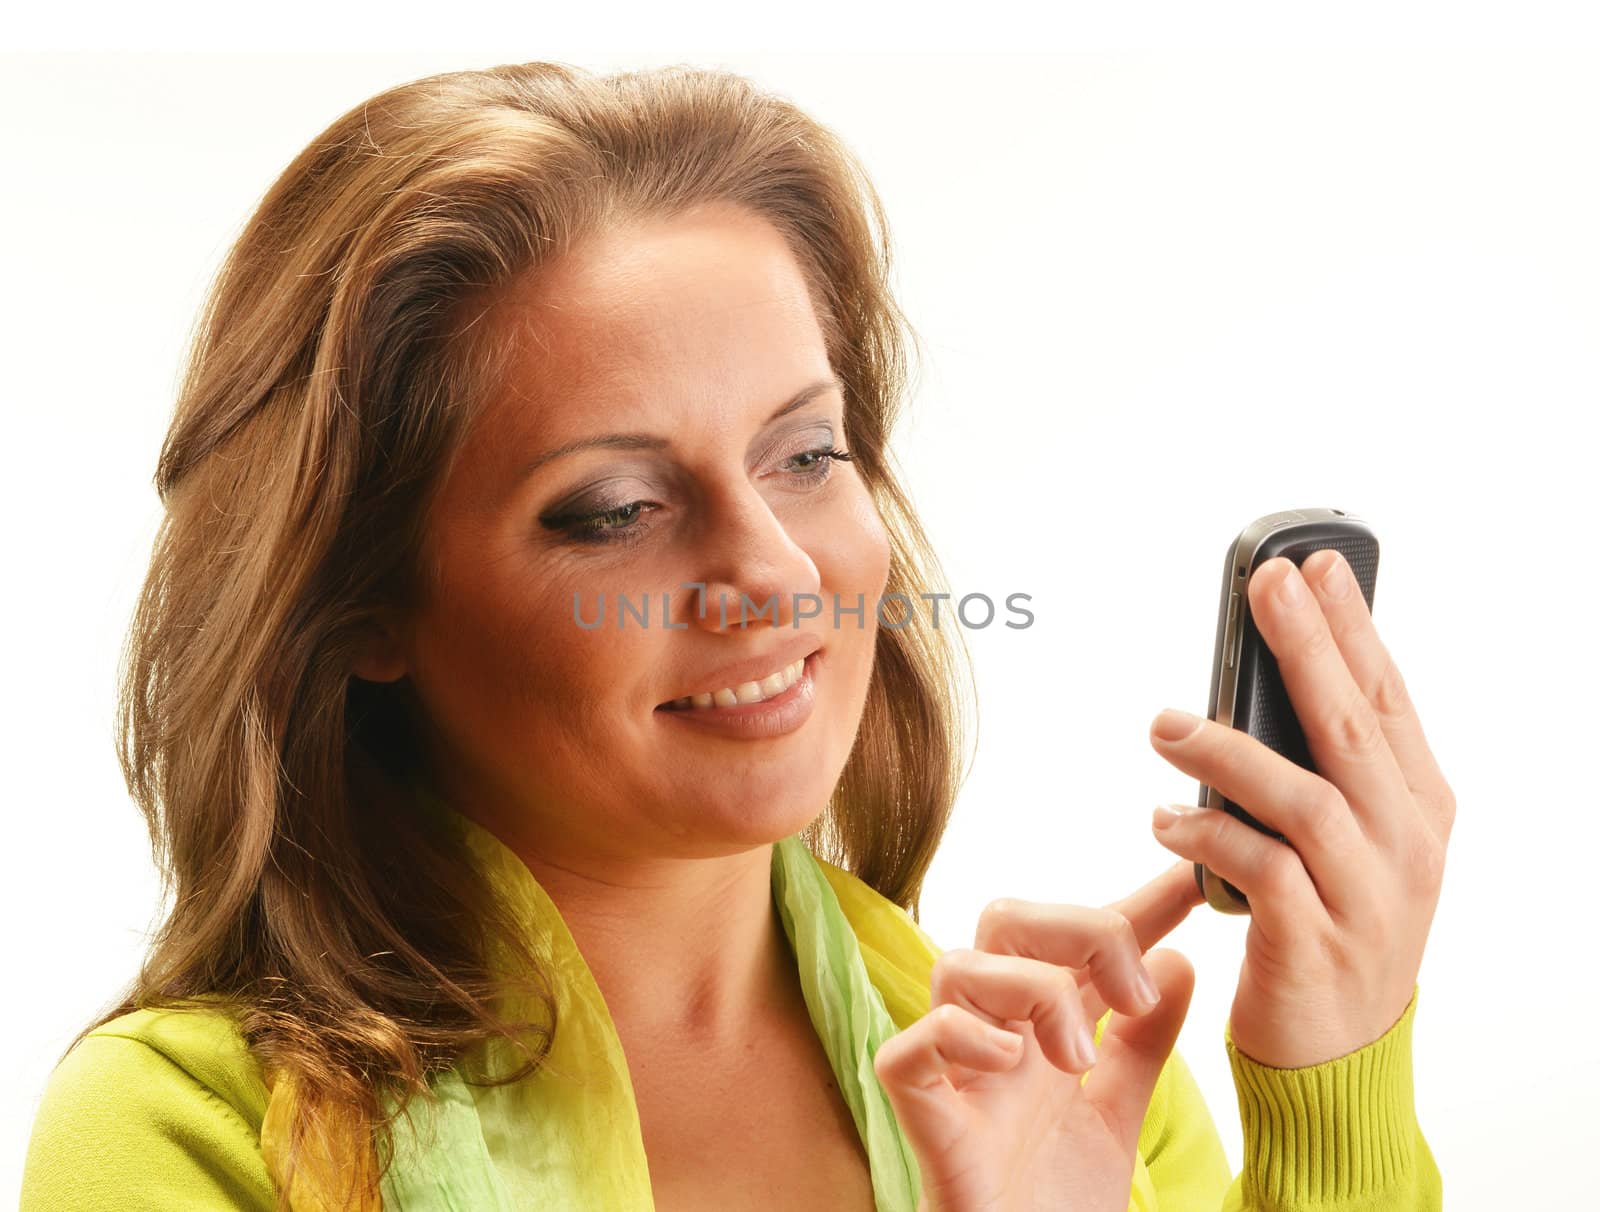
1169, 277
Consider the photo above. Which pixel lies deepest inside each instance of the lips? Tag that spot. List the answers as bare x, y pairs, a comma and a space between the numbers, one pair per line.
746, 694
784, 714
745, 678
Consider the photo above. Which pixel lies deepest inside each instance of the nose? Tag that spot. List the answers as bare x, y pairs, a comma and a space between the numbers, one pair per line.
748, 570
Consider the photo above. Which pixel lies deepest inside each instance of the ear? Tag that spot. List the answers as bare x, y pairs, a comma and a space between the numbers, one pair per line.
378, 656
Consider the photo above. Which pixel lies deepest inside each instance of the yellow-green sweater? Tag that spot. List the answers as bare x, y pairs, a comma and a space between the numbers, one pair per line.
162, 1111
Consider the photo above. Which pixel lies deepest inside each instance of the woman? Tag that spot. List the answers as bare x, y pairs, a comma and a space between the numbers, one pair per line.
510, 650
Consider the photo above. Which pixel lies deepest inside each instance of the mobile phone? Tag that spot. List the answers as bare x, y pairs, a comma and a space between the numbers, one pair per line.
1247, 692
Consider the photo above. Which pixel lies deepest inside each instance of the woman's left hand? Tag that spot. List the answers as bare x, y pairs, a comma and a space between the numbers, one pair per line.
1340, 916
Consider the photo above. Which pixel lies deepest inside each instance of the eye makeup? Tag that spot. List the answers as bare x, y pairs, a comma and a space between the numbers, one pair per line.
620, 523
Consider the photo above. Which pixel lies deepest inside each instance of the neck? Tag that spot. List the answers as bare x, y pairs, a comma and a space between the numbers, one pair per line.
684, 951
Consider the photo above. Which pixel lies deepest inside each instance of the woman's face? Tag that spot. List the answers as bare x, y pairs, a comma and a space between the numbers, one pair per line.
689, 337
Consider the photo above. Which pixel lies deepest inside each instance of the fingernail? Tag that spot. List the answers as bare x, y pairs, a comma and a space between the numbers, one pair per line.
1174, 725
1148, 993
1337, 581
1086, 1052
1290, 590
1166, 815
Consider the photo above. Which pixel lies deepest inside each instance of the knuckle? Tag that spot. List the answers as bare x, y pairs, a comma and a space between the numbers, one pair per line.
892, 1053
1359, 731
949, 965
1282, 870
1448, 811
1427, 863
1065, 982
1323, 815
941, 969
1391, 698
1210, 827
997, 915
1316, 643
1116, 925
946, 1018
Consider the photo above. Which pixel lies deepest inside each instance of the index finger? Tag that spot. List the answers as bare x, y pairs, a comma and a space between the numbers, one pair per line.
1155, 909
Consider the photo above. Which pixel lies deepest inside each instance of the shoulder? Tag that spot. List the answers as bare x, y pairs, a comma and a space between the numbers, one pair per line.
156, 1108
206, 1045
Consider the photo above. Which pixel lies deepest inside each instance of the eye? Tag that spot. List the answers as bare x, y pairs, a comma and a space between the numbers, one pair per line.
821, 464
616, 525
621, 523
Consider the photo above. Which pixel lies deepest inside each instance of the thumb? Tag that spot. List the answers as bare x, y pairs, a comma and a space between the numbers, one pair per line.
1134, 1048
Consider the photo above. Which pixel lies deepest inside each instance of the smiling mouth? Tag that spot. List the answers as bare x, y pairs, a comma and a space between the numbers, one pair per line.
770, 687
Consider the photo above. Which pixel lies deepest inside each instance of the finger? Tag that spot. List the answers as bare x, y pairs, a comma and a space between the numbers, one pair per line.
1002, 989
1153, 911
1343, 733
1300, 804
1133, 1051
1102, 945
1284, 901
915, 1065
1375, 672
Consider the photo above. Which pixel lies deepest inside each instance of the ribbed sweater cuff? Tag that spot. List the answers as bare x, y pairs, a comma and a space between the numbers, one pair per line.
1340, 1133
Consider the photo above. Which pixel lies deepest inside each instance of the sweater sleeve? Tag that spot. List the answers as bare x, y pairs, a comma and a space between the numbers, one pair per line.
1341, 1136
123, 1127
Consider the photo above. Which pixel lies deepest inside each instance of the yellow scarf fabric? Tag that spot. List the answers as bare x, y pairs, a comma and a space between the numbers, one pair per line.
569, 1136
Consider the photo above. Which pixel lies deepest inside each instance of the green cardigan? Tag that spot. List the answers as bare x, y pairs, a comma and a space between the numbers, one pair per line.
163, 1111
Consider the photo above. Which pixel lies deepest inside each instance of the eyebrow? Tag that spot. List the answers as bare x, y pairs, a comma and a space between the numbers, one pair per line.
646, 441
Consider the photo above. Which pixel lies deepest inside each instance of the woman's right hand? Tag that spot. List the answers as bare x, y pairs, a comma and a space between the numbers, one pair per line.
998, 1129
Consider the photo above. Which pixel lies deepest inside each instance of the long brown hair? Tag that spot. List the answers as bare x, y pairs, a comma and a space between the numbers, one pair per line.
336, 365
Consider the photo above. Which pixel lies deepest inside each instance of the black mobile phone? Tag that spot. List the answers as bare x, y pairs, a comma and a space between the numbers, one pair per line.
1246, 690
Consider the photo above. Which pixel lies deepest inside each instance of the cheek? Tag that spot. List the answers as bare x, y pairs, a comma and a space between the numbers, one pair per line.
852, 559
858, 549
502, 658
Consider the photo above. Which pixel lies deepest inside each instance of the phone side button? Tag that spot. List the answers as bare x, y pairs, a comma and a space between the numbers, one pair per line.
1232, 630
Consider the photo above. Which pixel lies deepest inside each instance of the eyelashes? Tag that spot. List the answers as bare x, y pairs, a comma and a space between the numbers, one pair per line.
601, 527
826, 457
620, 523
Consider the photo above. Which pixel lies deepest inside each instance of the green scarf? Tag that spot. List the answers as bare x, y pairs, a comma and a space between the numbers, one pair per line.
569, 1136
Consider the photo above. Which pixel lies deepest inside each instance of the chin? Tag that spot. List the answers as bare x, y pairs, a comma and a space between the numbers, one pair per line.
748, 816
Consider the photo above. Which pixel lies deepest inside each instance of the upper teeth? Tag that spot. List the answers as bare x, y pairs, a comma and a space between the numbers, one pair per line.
746, 692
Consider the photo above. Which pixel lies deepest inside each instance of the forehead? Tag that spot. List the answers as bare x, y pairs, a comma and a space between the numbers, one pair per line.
705, 305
